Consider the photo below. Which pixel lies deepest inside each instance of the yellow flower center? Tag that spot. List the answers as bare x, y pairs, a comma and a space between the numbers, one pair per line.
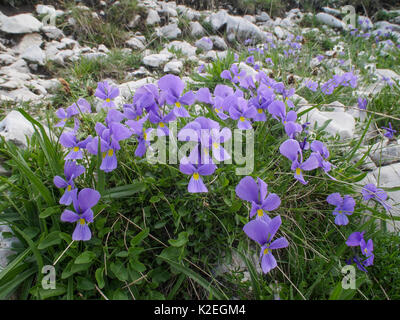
216, 110
178, 104
242, 119
298, 171
260, 110
266, 251
76, 149
137, 118
145, 135
206, 151
69, 188
238, 77
108, 153
216, 145
260, 212
82, 221
161, 124
196, 176
108, 100
365, 250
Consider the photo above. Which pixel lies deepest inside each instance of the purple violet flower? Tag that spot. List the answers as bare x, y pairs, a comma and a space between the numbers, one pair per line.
370, 191
291, 150
257, 194
83, 214
71, 172
262, 231
344, 207
107, 93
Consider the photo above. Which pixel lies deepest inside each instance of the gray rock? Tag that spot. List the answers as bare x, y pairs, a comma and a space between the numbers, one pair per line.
342, 123
28, 40
330, 20
19, 24
6, 59
48, 10
152, 18
135, 44
186, 48
170, 31
385, 152
53, 32
280, 33
15, 128
174, 66
6, 246
332, 11
24, 95
196, 29
219, 20
389, 177
127, 89
243, 29
156, 60
204, 44
219, 43
263, 17
188, 13
34, 55
387, 26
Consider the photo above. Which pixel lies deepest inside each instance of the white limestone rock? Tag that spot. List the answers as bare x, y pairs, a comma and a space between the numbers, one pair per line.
196, 30
135, 44
19, 24
174, 67
342, 123
35, 55
186, 48
330, 20
152, 18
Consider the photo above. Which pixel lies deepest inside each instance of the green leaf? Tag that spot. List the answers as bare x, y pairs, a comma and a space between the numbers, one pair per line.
44, 294
84, 284
85, 257
140, 236
100, 277
52, 239
49, 211
125, 191
183, 238
119, 271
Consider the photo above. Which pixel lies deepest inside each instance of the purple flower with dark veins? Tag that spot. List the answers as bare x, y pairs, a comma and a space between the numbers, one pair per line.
68, 140
291, 150
196, 184
367, 248
344, 207
171, 91
234, 70
107, 93
83, 214
262, 231
161, 121
257, 194
71, 172
354, 240
370, 191
243, 113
